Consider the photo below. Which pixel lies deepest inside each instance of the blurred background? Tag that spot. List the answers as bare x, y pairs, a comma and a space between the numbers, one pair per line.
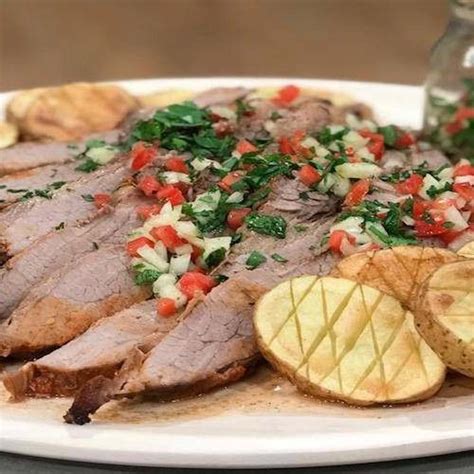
46, 42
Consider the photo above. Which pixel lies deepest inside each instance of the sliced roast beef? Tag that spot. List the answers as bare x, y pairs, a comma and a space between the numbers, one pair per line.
220, 96
219, 329
59, 248
99, 351
24, 223
29, 155
70, 300
309, 116
44, 179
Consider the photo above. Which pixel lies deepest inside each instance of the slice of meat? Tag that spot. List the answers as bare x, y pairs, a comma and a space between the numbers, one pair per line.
16, 186
64, 305
24, 223
62, 247
29, 155
214, 344
101, 350
220, 96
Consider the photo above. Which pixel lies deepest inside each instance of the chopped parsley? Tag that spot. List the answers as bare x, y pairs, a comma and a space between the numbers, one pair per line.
300, 227
87, 197
95, 245
265, 224
389, 134
46, 193
215, 257
220, 278
60, 226
255, 259
146, 277
3, 186
243, 109
278, 258
88, 166
433, 191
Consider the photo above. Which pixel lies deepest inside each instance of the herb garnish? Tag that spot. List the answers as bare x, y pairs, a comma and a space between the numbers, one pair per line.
146, 277
87, 197
278, 258
215, 257
274, 226
60, 226
255, 259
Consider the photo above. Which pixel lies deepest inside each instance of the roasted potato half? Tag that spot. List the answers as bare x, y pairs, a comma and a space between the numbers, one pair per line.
8, 134
445, 315
397, 271
69, 112
341, 340
467, 250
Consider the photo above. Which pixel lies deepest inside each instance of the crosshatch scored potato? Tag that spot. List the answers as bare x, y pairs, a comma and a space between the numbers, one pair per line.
445, 315
397, 271
467, 250
345, 341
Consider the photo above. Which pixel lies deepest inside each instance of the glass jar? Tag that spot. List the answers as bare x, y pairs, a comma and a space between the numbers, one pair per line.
449, 89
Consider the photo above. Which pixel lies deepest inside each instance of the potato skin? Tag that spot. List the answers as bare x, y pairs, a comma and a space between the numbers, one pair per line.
457, 354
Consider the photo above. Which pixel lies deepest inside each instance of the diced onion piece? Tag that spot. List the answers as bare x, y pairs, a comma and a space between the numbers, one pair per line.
180, 264
322, 152
341, 187
173, 177
428, 182
150, 256
446, 174
452, 215
408, 220
355, 140
175, 294
183, 249
235, 197
310, 142
167, 279
101, 154
224, 112
200, 164
161, 250
364, 154
358, 170
335, 129
186, 229
326, 183
215, 243
207, 201
353, 225
168, 215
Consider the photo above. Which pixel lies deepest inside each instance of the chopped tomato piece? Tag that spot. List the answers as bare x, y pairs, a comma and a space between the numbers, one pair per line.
168, 235
376, 144
419, 208
142, 155
465, 190
427, 229
149, 185
136, 244
337, 237
227, 181
196, 253
244, 146
176, 164
453, 127
357, 193
464, 170
286, 95
236, 217
172, 194
450, 236
166, 307
145, 212
405, 140
308, 175
193, 284
101, 200
411, 185
285, 146
464, 113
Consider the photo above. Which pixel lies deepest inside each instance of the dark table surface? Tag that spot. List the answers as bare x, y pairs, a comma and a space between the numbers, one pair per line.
459, 463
